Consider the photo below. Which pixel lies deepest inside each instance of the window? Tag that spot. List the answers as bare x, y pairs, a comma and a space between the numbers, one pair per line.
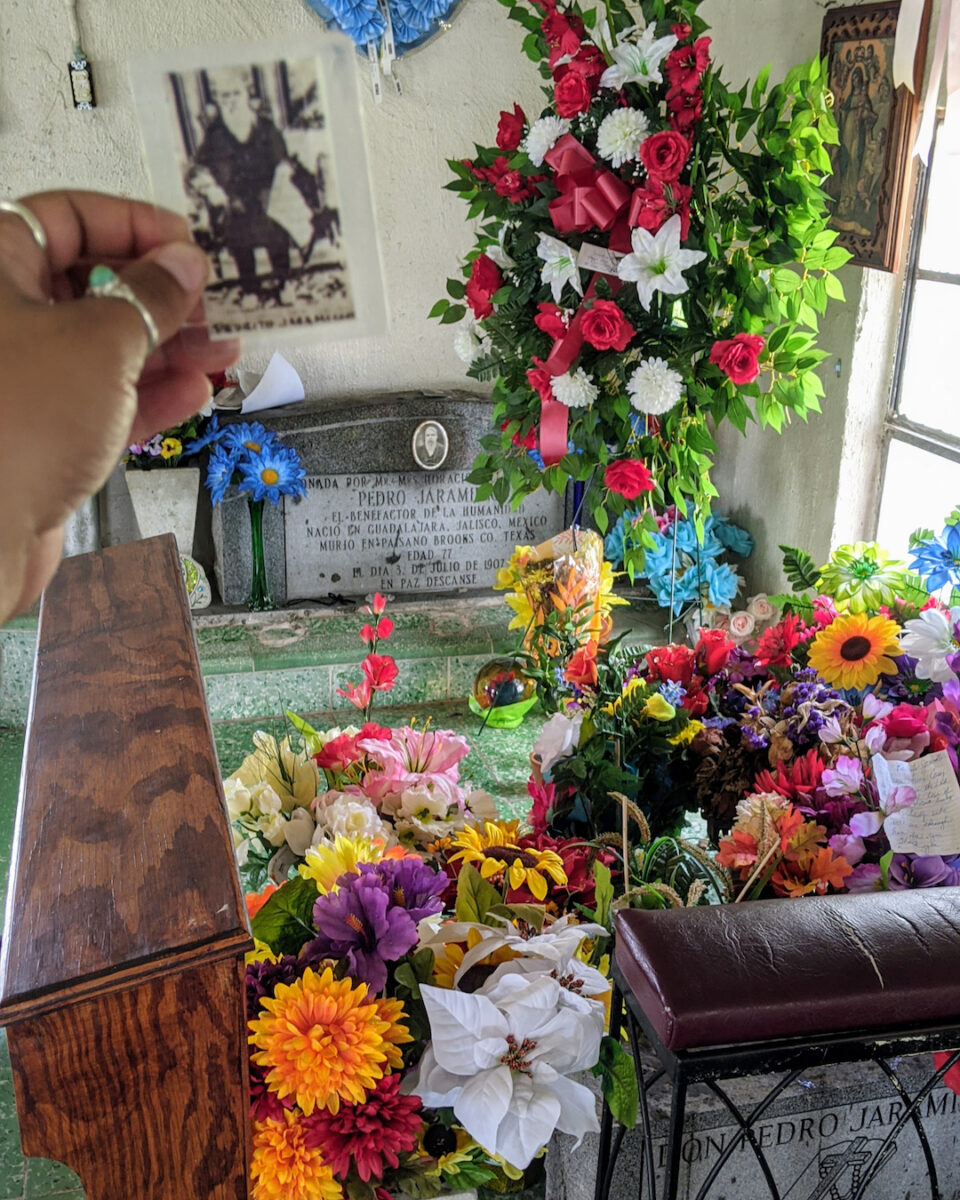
921, 478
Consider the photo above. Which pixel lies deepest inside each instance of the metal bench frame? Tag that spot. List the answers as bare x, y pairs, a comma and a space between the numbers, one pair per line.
791, 1057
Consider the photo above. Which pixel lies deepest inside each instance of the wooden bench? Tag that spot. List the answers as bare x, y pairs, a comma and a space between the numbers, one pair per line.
121, 977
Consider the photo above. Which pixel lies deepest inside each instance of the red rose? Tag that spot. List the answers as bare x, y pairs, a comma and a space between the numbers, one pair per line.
652, 206
672, 664
905, 721
539, 379
550, 320
510, 129
713, 650
380, 672
737, 357
684, 109
562, 34
485, 279
571, 95
605, 327
581, 670
664, 155
628, 477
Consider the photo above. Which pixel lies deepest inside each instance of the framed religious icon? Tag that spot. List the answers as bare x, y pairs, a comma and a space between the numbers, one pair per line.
872, 176
261, 147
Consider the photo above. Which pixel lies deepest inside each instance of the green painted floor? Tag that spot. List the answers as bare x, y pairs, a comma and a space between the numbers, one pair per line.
498, 762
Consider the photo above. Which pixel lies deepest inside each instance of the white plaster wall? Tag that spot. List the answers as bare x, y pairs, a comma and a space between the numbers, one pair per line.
785, 488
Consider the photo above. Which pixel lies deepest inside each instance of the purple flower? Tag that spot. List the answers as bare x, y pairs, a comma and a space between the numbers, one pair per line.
848, 846
262, 979
361, 924
865, 878
921, 871
845, 779
412, 885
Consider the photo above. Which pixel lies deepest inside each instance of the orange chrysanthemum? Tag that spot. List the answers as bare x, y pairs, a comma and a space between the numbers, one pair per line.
855, 650
396, 1035
285, 1167
321, 1043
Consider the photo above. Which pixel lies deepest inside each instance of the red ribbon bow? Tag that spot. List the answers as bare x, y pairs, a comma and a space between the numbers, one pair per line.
590, 196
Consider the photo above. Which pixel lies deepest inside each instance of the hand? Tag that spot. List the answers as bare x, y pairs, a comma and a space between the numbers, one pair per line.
76, 386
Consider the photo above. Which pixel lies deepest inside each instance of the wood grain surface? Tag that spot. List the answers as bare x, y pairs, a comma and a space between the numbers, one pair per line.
122, 865
144, 1092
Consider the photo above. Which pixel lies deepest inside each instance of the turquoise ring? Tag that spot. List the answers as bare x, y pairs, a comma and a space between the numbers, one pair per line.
105, 284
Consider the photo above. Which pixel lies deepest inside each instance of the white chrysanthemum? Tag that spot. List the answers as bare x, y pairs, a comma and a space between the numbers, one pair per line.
620, 135
654, 387
542, 136
468, 343
575, 391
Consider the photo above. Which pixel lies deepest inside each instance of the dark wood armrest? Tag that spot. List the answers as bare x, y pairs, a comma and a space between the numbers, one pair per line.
121, 976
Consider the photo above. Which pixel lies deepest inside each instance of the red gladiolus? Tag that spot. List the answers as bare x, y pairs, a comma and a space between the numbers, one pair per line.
544, 797
379, 604
510, 128
737, 357
776, 646
685, 65
367, 634
484, 281
380, 672
588, 62
684, 109
384, 628
359, 695
652, 206
562, 34
629, 477
549, 320
527, 442
539, 379
605, 327
681, 32
713, 650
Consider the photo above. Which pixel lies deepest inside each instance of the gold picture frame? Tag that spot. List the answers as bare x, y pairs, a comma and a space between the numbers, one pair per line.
873, 166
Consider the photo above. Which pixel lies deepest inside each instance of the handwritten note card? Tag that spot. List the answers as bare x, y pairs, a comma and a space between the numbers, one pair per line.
931, 825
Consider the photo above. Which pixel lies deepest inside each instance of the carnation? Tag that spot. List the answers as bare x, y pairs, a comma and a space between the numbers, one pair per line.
542, 136
654, 387
620, 135
575, 391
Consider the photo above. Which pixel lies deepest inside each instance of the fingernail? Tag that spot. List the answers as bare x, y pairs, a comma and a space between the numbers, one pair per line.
187, 264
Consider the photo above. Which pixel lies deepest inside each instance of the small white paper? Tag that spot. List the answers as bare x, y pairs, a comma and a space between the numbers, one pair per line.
279, 384
931, 825
598, 258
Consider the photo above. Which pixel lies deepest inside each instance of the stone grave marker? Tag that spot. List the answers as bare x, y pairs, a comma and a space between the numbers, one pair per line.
388, 506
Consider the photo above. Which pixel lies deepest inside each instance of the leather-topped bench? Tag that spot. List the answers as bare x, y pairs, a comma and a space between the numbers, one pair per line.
781, 985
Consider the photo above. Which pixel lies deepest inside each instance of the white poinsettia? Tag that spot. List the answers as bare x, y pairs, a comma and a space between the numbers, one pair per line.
639, 61
556, 944
559, 266
657, 262
581, 986
620, 135
929, 639
500, 1059
575, 390
542, 136
654, 387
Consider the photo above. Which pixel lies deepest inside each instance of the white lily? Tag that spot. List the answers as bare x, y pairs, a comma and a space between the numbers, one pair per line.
557, 943
639, 61
500, 1060
559, 265
657, 262
929, 639
497, 253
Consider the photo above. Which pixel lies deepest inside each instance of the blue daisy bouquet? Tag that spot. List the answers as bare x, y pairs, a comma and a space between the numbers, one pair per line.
679, 569
260, 465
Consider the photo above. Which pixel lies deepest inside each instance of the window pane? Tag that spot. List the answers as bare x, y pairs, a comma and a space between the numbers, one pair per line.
929, 387
920, 491
940, 245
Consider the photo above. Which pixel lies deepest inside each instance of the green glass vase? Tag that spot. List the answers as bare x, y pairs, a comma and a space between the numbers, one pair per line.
260, 599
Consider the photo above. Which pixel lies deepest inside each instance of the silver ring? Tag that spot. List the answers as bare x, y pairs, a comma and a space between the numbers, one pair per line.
106, 284
37, 231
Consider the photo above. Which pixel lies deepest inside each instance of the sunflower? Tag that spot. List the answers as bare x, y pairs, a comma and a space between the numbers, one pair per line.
494, 850
286, 1167
854, 651
449, 959
322, 1043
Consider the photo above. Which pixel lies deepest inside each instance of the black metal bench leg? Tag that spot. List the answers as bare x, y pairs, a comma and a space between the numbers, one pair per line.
648, 1165
604, 1157
675, 1136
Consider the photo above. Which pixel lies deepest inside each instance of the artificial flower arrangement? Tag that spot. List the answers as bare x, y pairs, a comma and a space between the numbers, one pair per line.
784, 747
652, 252
428, 985
167, 448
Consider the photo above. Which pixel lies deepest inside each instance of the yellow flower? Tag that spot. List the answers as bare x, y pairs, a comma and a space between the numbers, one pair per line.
321, 1043
291, 773
284, 1167
396, 1034
495, 852
854, 651
449, 959
170, 447
325, 864
261, 952
686, 735
659, 709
